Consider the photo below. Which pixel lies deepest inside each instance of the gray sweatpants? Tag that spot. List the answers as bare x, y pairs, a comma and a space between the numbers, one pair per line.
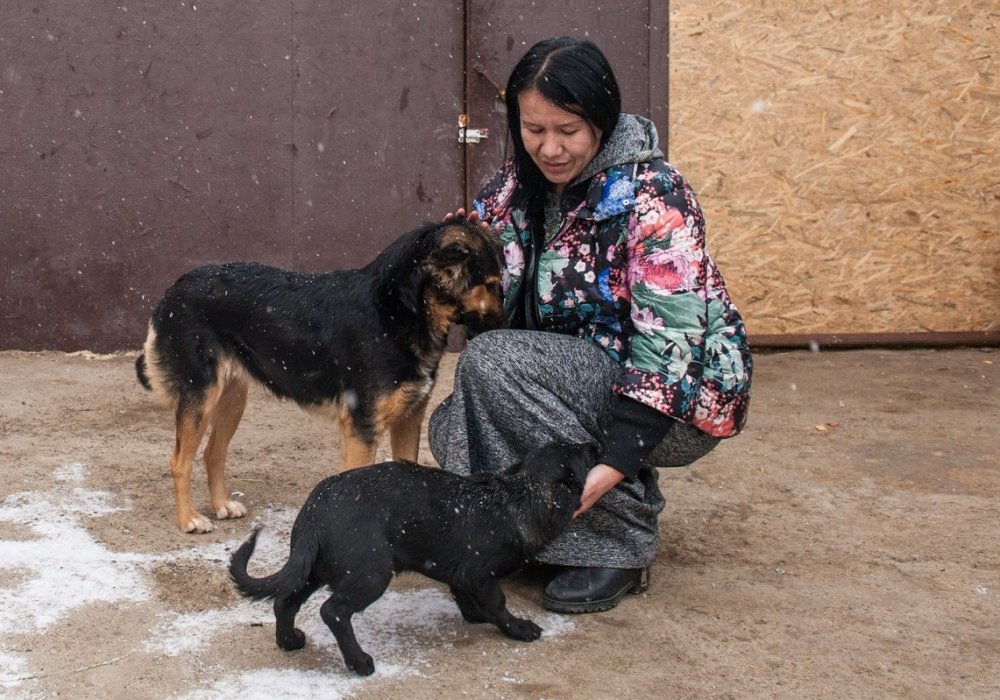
515, 390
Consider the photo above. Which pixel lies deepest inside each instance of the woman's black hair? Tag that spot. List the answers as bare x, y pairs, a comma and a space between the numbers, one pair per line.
575, 76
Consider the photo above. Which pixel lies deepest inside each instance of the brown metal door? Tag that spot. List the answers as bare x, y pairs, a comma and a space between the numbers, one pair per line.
633, 35
378, 88
139, 141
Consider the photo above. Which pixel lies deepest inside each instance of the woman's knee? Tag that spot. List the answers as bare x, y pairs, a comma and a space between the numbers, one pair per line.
682, 446
488, 356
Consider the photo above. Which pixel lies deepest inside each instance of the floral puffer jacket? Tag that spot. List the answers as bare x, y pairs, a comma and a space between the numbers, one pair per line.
628, 270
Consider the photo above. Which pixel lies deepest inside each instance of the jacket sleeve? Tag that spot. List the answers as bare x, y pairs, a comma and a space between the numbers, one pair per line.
633, 432
492, 203
665, 277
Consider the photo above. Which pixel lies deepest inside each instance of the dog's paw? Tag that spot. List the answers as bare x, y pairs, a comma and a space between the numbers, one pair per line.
294, 640
523, 630
361, 664
197, 524
231, 509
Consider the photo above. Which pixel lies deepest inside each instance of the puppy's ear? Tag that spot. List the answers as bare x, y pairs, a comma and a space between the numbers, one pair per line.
562, 461
581, 459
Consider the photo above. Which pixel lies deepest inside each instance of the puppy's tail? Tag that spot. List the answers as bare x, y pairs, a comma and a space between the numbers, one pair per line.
291, 577
140, 371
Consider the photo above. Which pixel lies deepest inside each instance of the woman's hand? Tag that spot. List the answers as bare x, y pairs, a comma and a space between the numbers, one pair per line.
600, 480
472, 216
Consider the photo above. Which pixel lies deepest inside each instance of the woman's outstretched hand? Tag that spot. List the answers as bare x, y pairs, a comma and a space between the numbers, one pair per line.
471, 216
600, 480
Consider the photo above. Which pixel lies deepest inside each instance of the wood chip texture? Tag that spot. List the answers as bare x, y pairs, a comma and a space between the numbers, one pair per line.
846, 158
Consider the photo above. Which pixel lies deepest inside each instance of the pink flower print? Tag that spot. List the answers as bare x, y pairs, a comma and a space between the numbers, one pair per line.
712, 415
645, 321
514, 257
687, 240
505, 190
659, 221
671, 219
666, 270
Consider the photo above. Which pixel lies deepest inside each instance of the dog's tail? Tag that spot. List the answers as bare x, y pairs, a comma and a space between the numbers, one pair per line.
292, 576
140, 371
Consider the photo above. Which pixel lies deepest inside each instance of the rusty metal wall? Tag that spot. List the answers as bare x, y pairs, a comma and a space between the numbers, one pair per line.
140, 139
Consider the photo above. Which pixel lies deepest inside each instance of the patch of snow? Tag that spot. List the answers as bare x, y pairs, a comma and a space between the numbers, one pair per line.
12, 667
280, 683
189, 632
63, 567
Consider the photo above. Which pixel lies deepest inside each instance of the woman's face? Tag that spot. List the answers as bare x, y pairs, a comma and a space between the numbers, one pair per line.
559, 142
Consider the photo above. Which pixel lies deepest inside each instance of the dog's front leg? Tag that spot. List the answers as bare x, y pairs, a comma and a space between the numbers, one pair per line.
469, 607
486, 598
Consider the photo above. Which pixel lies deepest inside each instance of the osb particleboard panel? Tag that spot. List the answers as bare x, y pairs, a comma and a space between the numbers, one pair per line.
846, 156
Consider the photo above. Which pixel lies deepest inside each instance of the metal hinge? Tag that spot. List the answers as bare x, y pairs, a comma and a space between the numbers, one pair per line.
467, 135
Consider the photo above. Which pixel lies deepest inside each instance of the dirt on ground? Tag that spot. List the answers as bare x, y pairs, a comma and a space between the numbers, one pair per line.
846, 545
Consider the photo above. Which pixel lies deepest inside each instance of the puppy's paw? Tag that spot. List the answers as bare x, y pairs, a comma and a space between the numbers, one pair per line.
361, 664
230, 509
196, 523
294, 640
523, 630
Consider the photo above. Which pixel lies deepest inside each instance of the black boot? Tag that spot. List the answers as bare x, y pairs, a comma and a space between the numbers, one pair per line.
592, 589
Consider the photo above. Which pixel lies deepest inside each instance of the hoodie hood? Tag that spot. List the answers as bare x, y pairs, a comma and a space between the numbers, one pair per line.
634, 140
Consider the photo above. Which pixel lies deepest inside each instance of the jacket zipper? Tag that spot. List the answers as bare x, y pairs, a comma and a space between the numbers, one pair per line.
531, 319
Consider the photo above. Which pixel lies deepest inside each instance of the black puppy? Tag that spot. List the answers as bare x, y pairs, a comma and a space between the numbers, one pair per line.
358, 528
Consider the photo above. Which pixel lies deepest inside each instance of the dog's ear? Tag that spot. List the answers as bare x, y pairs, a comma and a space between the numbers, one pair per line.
401, 269
410, 291
449, 260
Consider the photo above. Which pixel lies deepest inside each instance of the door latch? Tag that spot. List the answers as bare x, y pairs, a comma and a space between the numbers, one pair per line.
467, 135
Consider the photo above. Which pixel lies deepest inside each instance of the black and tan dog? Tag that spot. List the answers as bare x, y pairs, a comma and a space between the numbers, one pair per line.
353, 534
362, 346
